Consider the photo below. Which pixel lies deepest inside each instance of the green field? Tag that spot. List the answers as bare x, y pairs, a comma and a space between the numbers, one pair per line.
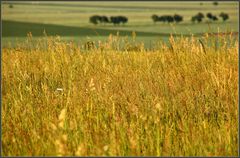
70, 20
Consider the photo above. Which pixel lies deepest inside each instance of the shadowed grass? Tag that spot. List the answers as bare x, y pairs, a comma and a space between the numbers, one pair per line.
20, 29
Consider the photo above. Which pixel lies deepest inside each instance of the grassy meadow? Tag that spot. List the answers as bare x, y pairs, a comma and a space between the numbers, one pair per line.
68, 92
70, 101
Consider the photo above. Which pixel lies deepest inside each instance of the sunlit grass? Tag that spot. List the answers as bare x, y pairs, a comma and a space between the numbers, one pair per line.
118, 99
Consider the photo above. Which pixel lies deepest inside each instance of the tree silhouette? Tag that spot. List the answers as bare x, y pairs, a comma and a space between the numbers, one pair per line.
210, 16
177, 18
155, 18
224, 16
95, 19
198, 17
215, 3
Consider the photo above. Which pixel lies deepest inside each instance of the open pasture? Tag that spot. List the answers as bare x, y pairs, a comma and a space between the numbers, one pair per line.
70, 20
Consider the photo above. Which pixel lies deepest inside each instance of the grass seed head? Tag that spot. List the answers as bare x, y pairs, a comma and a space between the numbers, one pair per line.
62, 115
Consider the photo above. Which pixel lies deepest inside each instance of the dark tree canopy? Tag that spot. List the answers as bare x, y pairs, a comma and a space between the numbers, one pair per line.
224, 16
198, 18
104, 19
200, 15
215, 3
167, 18
122, 19
209, 15
177, 18
94, 19
162, 19
10, 5
118, 19
155, 18
214, 18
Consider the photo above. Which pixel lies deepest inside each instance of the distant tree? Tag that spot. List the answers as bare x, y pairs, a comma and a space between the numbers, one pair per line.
10, 6
115, 20
196, 18
224, 16
162, 18
95, 19
214, 18
169, 19
104, 19
155, 18
210, 16
200, 15
193, 19
201, 3
177, 18
215, 3
99, 19
123, 19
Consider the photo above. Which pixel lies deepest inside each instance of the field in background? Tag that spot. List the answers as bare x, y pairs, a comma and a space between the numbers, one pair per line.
65, 100
71, 20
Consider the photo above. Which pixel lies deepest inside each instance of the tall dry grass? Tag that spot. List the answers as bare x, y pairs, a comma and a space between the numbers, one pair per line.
179, 99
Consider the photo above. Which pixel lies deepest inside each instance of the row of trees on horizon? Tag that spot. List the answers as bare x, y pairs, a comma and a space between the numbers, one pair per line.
196, 18
116, 20
200, 16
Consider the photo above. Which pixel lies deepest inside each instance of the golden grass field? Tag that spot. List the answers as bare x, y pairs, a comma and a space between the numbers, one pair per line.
68, 100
